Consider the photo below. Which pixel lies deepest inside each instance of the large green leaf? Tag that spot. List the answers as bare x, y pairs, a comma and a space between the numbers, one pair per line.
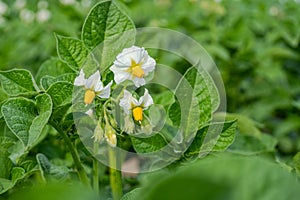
26, 118
111, 29
149, 144
53, 67
216, 143
18, 82
196, 99
72, 51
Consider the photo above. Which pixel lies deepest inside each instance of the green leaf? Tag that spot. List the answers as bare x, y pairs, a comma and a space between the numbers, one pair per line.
50, 171
18, 82
132, 195
44, 108
296, 160
47, 81
61, 117
226, 138
5, 185
217, 143
196, 99
52, 67
27, 119
72, 51
6, 142
17, 173
107, 25
149, 144
6, 164
61, 93
245, 125
250, 145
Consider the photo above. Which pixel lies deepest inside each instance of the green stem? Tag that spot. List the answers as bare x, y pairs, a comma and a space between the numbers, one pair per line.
80, 170
115, 175
96, 169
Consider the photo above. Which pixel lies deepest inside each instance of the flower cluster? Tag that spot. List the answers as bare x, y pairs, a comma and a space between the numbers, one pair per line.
132, 64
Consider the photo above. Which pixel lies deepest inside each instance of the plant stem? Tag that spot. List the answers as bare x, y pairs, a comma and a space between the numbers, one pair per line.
96, 169
80, 170
115, 175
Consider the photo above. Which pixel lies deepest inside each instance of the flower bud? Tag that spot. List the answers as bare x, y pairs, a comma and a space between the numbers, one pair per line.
98, 133
110, 135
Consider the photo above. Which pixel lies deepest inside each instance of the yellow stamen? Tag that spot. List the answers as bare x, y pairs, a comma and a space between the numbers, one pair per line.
137, 114
89, 96
136, 69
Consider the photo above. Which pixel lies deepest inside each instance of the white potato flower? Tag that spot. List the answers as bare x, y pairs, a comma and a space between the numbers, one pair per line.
93, 87
134, 64
134, 106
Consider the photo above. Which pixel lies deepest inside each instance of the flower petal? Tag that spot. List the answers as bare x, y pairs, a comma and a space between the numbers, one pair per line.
119, 74
129, 124
129, 54
139, 81
105, 92
149, 65
80, 80
125, 102
146, 100
98, 86
93, 80
89, 112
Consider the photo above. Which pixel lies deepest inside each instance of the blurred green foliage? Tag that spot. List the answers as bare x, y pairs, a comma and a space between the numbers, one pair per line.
27, 29
233, 177
255, 44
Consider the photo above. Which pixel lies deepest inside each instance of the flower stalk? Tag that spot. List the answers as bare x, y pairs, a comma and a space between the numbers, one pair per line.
96, 169
115, 175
